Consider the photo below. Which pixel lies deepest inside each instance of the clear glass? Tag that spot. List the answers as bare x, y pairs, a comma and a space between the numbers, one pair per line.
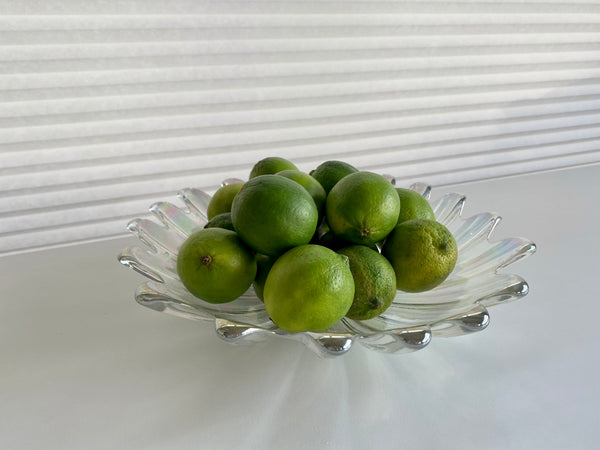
458, 306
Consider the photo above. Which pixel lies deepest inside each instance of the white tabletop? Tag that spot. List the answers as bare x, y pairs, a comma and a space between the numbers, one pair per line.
84, 366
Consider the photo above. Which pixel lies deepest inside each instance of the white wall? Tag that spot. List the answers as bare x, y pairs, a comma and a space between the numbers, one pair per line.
106, 107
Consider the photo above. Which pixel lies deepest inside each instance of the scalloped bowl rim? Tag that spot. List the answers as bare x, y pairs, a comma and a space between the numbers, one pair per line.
459, 305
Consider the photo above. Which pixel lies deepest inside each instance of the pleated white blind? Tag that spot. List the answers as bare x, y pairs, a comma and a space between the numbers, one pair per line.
106, 106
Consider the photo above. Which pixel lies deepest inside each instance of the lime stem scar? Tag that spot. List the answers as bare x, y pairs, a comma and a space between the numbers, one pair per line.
206, 260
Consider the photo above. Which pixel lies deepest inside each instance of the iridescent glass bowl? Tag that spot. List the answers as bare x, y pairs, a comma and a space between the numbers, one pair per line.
458, 306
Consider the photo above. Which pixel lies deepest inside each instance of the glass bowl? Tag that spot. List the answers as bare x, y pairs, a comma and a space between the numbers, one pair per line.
458, 306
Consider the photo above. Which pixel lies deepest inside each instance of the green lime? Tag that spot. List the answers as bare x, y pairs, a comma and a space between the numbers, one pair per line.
362, 208
215, 265
263, 266
330, 172
309, 287
413, 206
222, 220
374, 282
272, 214
313, 187
221, 201
422, 252
271, 165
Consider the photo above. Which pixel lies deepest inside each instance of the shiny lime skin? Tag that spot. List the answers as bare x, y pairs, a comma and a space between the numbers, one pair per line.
272, 214
374, 282
422, 252
413, 206
330, 172
362, 208
270, 166
215, 265
309, 288
221, 202
313, 187
222, 220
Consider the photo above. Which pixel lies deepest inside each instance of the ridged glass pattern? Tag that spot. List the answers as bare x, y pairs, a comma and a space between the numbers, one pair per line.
457, 306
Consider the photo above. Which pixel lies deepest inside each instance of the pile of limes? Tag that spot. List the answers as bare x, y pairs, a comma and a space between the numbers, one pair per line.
317, 247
